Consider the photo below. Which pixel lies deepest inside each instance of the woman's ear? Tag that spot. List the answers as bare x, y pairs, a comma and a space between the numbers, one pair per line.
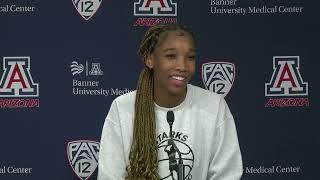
149, 61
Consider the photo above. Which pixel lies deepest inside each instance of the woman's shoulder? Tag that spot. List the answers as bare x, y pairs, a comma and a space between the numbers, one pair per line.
126, 97
205, 99
126, 100
203, 94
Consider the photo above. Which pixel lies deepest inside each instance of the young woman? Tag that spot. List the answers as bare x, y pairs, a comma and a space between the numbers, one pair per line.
196, 140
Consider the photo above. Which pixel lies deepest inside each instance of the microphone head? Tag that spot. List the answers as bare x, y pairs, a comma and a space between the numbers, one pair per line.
170, 117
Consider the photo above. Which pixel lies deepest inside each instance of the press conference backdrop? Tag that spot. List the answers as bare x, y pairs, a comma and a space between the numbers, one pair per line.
63, 63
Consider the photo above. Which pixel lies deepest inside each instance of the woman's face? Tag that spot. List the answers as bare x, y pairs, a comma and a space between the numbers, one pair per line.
173, 62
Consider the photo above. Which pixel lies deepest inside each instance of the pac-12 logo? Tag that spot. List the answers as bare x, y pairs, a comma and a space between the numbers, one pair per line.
87, 8
16, 80
83, 157
286, 79
155, 8
218, 77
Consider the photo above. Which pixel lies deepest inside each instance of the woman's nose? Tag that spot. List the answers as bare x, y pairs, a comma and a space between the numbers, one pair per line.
181, 64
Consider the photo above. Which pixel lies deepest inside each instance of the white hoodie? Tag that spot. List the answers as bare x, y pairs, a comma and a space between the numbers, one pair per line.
203, 132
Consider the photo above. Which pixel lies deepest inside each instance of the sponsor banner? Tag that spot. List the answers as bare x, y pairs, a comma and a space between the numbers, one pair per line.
17, 7
83, 157
153, 12
286, 87
17, 88
248, 8
86, 81
273, 170
14, 170
218, 77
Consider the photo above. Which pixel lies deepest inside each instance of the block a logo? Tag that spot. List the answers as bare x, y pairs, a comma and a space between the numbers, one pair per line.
16, 80
218, 77
286, 86
153, 12
86, 8
83, 157
286, 79
155, 8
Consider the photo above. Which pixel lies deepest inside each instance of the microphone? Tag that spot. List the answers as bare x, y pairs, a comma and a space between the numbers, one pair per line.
170, 120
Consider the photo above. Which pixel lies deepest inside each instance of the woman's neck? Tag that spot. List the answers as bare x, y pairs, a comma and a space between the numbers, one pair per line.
169, 100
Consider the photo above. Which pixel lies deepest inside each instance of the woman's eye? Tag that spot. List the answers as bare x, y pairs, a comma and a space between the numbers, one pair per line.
170, 55
192, 57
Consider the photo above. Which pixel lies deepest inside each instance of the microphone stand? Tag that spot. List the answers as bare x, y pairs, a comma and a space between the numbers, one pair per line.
180, 162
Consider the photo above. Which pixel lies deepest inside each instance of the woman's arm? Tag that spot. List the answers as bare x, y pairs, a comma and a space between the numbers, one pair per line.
226, 161
111, 164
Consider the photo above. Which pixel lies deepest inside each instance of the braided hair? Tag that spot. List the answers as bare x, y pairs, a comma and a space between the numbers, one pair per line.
143, 160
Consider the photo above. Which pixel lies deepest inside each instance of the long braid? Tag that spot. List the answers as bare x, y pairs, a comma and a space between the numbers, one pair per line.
143, 154
143, 158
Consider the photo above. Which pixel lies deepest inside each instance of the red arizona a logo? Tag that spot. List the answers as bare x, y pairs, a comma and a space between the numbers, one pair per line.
155, 8
16, 80
286, 79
